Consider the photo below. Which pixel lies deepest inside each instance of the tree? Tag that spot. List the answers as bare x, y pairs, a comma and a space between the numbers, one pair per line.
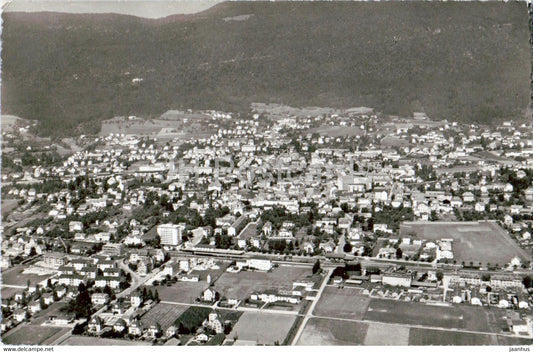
440, 275
399, 253
156, 296
527, 281
347, 247
316, 266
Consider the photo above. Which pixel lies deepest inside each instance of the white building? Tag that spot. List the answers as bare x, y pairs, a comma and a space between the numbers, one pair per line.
170, 234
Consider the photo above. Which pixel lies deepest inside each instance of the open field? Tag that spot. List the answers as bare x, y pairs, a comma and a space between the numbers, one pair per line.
392, 311
336, 131
484, 242
44, 315
162, 129
323, 331
342, 303
8, 292
181, 292
15, 276
164, 314
483, 319
262, 328
33, 335
386, 335
241, 285
98, 341
424, 337
8, 205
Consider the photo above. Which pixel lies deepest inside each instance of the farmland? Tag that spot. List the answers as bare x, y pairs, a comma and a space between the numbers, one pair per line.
241, 285
262, 328
345, 303
98, 341
321, 331
478, 242
336, 131
386, 335
389, 311
181, 292
33, 335
164, 314
438, 337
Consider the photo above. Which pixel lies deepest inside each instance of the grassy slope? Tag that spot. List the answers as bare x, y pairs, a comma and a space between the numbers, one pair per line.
462, 61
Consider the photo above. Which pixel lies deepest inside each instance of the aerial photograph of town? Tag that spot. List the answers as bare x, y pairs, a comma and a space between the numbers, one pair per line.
258, 173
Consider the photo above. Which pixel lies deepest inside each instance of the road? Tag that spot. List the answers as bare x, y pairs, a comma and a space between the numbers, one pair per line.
239, 308
136, 280
309, 313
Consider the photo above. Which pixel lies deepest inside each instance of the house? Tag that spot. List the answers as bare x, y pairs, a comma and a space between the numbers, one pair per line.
209, 295
136, 299
119, 325
171, 331
34, 307
95, 325
60, 291
237, 226
75, 226
327, 247
20, 315
521, 326
48, 298
135, 328
213, 322
153, 330
468, 197
99, 299
71, 280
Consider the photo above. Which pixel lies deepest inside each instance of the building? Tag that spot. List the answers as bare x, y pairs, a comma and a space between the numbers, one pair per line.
112, 249
170, 234
237, 226
54, 259
258, 264
209, 295
505, 281
397, 279
99, 299
213, 322
95, 325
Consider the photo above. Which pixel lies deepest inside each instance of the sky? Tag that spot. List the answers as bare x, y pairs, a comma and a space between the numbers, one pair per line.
140, 8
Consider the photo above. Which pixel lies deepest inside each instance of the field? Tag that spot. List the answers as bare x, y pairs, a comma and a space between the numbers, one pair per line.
342, 303
320, 331
336, 131
14, 276
8, 205
33, 335
424, 337
484, 242
44, 315
483, 319
391, 311
164, 314
8, 292
386, 335
262, 328
181, 292
241, 285
98, 341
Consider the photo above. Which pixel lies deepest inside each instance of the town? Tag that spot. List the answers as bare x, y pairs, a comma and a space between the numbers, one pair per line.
282, 226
